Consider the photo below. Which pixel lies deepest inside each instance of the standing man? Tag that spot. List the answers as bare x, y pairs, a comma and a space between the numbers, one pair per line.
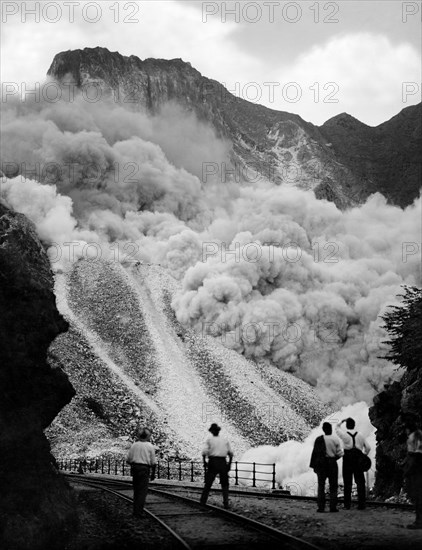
413, 469
353, 441
141, 458
216, 448
327, 450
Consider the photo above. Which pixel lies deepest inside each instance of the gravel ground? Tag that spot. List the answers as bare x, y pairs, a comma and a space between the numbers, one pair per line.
106, 523
375, 528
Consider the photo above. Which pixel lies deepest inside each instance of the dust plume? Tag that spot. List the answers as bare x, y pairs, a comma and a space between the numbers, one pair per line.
275, 273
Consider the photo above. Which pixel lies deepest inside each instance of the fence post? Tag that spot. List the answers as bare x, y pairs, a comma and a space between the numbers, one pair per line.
273, 476
191, 471
158, 470
123, 467
168, 468
115, 467
108, 467
180, 471
253, 475
236, 475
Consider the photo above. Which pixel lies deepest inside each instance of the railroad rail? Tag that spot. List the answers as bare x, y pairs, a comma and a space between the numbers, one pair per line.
277, 494
195, 526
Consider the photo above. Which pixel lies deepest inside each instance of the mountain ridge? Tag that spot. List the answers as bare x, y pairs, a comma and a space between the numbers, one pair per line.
276, 145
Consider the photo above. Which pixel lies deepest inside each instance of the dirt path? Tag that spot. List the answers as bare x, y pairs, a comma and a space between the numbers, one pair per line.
380, 528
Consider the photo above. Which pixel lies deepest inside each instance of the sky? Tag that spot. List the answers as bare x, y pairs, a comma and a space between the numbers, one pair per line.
313, 58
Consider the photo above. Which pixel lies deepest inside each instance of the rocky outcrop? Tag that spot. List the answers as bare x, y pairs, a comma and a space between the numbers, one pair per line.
397, 399
36, 510
344, 160
387, 158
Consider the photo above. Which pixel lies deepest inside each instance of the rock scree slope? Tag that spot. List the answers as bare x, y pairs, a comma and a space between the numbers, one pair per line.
175, 379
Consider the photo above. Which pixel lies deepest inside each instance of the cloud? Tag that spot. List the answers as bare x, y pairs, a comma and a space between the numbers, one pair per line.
316, 316
367, 71
369, 68
143, 29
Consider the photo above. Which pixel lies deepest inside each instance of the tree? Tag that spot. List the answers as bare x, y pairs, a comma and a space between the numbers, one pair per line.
404, 324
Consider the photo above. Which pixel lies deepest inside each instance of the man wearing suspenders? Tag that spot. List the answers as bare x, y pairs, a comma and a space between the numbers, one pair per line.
352, 440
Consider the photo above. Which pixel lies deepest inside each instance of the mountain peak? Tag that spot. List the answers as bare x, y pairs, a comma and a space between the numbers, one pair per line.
99, 62
345, 120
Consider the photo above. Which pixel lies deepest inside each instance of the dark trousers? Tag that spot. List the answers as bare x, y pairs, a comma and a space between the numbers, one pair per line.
352, 471
216, 465
140, 480
330, 472
417, 481
417, 498
414, 490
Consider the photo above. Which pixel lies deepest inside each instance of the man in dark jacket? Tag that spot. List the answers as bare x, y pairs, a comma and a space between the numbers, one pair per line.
327, 450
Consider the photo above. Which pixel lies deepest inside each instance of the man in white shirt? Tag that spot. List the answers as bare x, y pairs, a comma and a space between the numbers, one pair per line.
216, 449
353, 442
141, 457
327, 450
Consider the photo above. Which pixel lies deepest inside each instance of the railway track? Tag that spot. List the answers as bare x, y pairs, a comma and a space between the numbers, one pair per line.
194, 526
180, 488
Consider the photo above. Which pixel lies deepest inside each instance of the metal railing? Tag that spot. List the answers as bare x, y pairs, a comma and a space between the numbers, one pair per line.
250, 473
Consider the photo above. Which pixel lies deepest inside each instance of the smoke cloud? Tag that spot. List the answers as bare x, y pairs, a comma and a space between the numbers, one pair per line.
292, 458
307, 280
314, 305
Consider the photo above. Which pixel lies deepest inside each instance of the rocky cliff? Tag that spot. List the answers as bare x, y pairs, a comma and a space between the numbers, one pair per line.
401, 399
398, 398
36, 509
343, 161
387, 158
